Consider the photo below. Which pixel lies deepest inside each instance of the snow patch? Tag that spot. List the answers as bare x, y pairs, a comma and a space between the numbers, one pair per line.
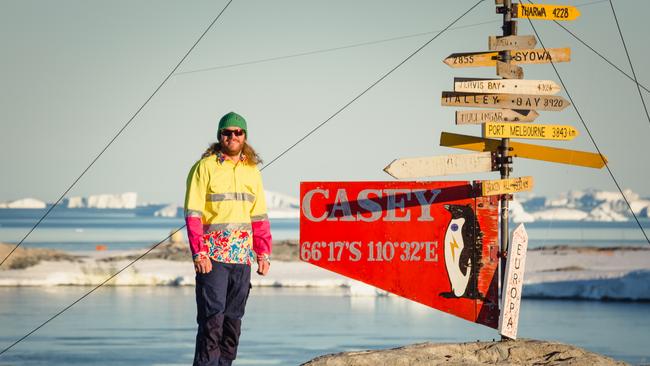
569, 214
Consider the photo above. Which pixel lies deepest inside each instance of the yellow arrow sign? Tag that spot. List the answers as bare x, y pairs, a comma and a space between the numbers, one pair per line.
529, 131
528, 151
534, 56
506, 186
546, 11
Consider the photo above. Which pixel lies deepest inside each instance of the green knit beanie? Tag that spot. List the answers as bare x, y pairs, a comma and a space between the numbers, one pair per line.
233, 119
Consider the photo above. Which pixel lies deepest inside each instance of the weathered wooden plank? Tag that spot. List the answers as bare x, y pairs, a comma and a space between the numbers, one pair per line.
476, 117
514, 280
506, 43
506, 186
522, 150
509, 101
518, 57
529, 131
441, 165
545, 11
536, 87
509, 71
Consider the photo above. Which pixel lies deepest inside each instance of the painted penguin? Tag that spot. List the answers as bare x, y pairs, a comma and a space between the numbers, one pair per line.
463, 246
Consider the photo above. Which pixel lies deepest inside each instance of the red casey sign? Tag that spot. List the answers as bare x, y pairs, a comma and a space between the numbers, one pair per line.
431, 242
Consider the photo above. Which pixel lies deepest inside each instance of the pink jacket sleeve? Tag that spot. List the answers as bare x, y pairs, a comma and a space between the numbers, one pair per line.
197, 183
262, 237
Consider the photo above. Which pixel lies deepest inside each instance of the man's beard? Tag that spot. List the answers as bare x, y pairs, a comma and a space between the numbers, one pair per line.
232, 152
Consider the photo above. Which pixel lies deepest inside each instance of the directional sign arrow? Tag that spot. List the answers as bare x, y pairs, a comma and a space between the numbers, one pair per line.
475, 117
528, 151
545, 11
537, 87
441, 165
514, 280
509, 71
506, 186
511, 101
528, 56
506, 43
529, 131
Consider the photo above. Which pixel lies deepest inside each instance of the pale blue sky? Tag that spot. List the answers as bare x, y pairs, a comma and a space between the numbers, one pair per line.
74, 72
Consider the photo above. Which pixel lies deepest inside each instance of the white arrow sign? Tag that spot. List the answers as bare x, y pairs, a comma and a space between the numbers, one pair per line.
441, 165
514, 280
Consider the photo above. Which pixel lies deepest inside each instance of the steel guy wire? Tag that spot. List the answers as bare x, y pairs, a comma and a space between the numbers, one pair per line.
595, 51
584, 124
627, 53
88, 293
355, 45
262, 168
118, 133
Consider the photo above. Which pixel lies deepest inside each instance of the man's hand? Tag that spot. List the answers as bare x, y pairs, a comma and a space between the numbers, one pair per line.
203, 264
263, 265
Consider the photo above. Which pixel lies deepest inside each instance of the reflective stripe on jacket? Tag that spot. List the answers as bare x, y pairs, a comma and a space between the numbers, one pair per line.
225, 210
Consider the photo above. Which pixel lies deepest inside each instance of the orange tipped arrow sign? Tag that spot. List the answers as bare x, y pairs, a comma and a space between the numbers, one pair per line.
511, 101
534, 56
476, 117
545, 11
529, 131
528, 151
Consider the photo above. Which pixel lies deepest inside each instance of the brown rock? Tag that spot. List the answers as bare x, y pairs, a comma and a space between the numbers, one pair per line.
26, 257
519, 352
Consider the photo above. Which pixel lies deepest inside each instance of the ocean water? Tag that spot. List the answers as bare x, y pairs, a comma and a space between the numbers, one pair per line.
83, 229
155, 326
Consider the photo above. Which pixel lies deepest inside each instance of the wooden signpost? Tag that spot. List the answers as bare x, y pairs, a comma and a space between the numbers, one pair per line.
475, 117
529, 131
505, 43
509, 71
528, 151
506, 186
538, 87
512, 101
436, 242
533, 56
513, 284
441, 165
545, 11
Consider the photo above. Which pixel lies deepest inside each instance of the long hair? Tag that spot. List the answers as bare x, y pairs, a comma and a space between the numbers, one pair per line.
252, 158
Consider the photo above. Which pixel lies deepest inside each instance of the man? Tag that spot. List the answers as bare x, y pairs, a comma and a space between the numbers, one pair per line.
225, 213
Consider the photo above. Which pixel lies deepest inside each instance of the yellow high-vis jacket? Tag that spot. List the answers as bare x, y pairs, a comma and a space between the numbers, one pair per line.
225, 210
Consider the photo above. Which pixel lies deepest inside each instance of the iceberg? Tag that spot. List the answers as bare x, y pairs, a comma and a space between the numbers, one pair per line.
126, 200
171, 210
24, 203
518, 214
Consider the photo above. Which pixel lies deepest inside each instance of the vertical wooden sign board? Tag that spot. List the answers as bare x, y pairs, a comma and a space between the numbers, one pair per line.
431, 242
514, 280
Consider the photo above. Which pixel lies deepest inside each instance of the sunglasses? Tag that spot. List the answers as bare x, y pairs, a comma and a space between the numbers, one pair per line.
229, 133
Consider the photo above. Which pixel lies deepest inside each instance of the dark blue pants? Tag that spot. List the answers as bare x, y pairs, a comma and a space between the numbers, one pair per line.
220, 301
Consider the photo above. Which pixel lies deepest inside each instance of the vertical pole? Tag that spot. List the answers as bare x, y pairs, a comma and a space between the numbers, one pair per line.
509, 29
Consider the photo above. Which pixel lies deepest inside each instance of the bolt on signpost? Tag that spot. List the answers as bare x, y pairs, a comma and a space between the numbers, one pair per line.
444, 243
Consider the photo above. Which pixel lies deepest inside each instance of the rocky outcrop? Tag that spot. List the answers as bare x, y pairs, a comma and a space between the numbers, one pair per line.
519, 352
